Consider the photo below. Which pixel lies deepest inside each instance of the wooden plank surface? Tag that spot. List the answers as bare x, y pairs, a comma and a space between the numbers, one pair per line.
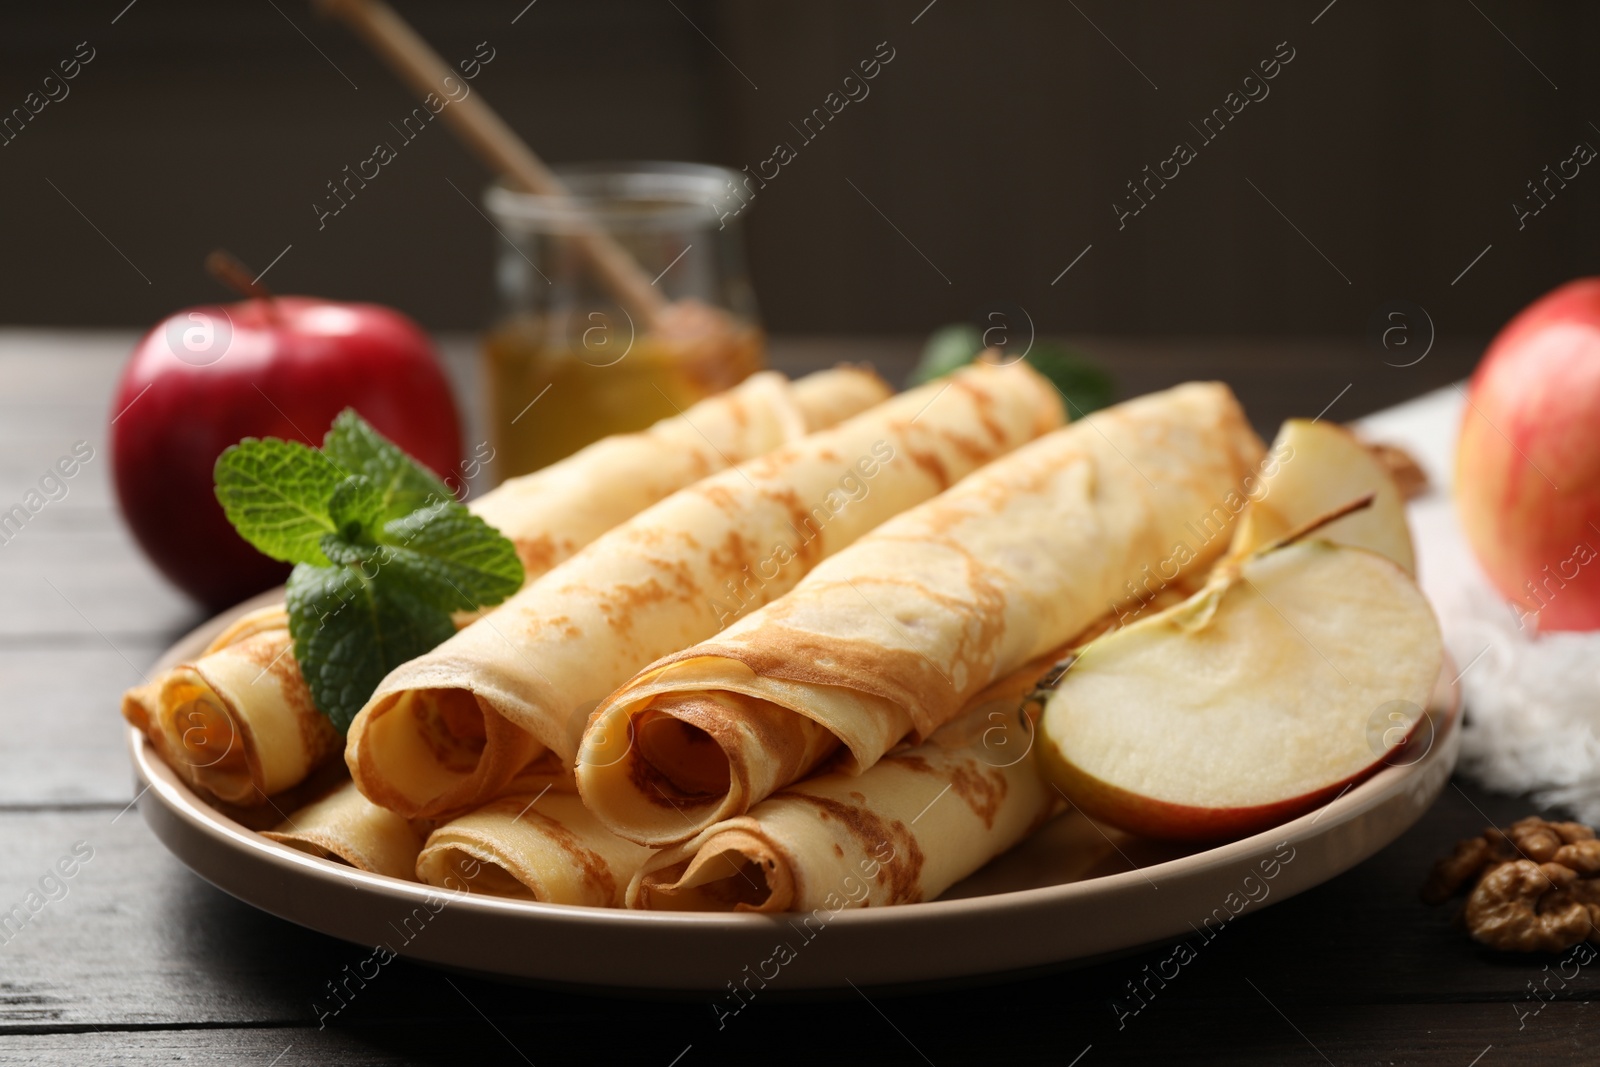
139, 943
139, 961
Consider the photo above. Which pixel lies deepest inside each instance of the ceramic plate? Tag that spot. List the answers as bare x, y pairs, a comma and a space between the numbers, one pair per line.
1072, 893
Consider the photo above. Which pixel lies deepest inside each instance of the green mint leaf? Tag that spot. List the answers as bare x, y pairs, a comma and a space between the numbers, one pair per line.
404, 485
350, 631
451, 557
1084, 385
276, 495
344, 551
383, 552
949, 348
355, 507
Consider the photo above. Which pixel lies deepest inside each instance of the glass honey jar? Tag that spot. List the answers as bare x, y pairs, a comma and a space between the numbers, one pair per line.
576, 354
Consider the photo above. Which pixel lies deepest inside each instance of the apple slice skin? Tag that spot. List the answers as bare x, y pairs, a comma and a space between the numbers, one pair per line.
1176, 819
1167, 821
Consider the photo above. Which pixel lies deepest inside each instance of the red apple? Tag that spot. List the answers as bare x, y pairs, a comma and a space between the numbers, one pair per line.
278, 367
1528, 461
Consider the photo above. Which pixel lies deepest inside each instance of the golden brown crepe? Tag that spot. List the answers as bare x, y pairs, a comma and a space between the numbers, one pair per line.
448, 730
893, 636
536, 841
920, 820
240, 722
347, 827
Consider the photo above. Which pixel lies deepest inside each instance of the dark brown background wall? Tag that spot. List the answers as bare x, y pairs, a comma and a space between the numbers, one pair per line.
995, 141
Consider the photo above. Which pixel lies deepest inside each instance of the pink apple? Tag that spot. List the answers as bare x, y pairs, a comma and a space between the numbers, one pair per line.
1528, 462
278, 367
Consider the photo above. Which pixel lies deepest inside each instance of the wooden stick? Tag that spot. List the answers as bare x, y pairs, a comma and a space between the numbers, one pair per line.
496, 143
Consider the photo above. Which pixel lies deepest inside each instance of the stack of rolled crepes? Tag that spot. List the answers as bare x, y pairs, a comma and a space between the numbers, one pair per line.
535, 841
842, 633
893, 637
1024, 554
448, 731
239, 721
917, 822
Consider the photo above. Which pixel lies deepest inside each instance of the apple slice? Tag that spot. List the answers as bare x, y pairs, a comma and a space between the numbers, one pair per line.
1251, 702
1318, 467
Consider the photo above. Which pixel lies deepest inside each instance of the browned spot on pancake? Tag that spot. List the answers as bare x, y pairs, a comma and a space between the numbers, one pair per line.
975, 453
902, 873
538, 554
720, 497
683, 579
985, 405
930, 463
677, 572
911, 762
620, 603
565, 624
646, 534
807, 543
729, 560
838, 850
703, 464
741, 416
983, 791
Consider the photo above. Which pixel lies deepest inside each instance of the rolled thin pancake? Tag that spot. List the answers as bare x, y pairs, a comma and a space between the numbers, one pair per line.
548, 515
536, 841
917, 822
448, 730
238, 722
347, 827
553, 512
141, 705
894, 635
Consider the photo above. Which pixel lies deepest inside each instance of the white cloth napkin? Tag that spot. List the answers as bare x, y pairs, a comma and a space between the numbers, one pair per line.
1532, 700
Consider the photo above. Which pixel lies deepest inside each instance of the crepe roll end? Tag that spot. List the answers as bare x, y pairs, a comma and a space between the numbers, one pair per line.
828, 397
660, 772
544, 847
425, 753
735, 870
240, 722
347, 828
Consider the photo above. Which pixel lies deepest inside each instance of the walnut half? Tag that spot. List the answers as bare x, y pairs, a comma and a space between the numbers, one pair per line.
1537, 890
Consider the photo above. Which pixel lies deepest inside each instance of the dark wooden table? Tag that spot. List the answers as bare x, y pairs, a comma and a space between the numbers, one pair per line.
138, 961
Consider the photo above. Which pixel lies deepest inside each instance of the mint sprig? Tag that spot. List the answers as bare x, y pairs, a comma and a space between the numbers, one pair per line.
383, 553
275, 493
